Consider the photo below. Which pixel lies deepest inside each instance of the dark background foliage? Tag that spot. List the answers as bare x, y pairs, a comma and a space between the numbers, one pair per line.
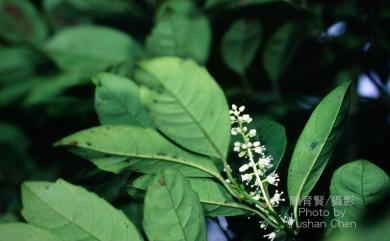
333, 41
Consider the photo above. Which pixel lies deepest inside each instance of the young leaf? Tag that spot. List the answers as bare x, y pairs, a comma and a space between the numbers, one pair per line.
25, 232
181, 36
73, 213
273, 136
215, 200
172, 209
114, 148
362, 183
240, 43
186, 104
316, 143
20, 22
81, 48
279, 51
117, 101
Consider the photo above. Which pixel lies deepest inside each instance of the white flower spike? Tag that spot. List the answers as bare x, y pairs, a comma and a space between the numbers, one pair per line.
256, 170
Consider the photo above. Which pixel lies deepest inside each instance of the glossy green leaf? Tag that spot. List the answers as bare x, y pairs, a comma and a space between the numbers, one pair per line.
278, 51
186, 104
362, 183
317, 142
172, 209
91, 48
181, 36
73, 213
114, 148
240, 44
20, 22
273, 136
25, 232
117, 101
215, 200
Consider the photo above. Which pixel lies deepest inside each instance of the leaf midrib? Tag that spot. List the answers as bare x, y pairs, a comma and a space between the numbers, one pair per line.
62, 215
219, 152
318, 153
175, 210
123, 106
149, 157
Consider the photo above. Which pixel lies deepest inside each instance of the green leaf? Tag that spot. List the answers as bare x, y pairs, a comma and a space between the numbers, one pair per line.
172, 209
20, 22
215, 200
317, 142
101, 8
232, 4
91, 48
52, 86
181, 36
279, 51
21, 63
186, 104
73, 213
15, 92
25, 232
184, 8
240, 43
273, 136
117, 101
114, 148
361, 181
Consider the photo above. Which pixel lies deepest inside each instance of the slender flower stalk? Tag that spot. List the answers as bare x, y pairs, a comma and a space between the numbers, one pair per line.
256, 172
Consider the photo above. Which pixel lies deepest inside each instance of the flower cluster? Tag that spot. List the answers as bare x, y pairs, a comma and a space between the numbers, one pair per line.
256, 170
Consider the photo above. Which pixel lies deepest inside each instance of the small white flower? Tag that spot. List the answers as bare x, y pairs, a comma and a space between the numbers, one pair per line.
265, 162
290, 221
241, 109
236, 113
259, 149
234, 107
273, 179
244, 129
234, 131
270, 236
277, 198
256, 143
236, 148
227, 181
252, 133
237, 143
241, 154
257, 197
246, 177
263, 225
243, 168
244, 146
246, 118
